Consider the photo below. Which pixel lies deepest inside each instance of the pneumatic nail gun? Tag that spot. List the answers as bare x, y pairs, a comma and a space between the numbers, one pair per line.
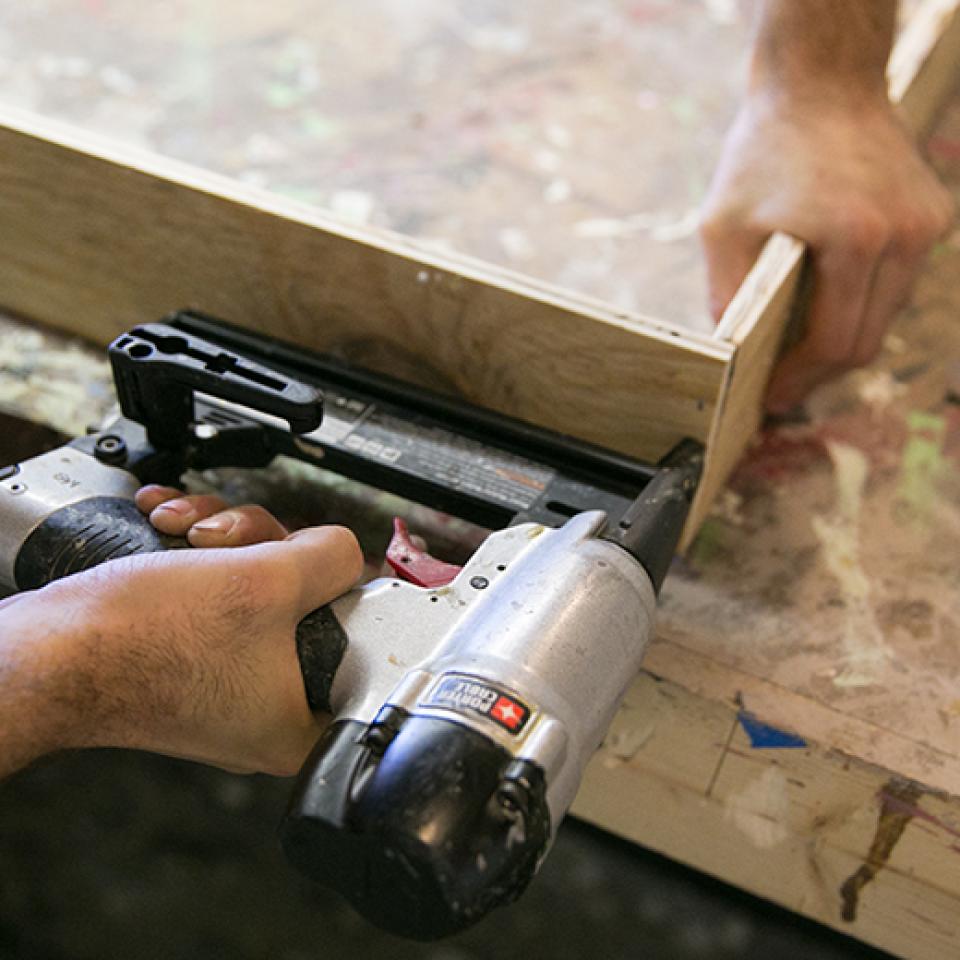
463, 702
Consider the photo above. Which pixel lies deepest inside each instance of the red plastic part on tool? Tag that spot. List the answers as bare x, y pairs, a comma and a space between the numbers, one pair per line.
416, 565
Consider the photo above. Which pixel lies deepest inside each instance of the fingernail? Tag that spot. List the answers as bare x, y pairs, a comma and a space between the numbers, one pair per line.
222, 523
182, 508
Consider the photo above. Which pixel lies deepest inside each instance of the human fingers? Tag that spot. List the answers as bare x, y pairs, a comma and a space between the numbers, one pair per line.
206, 520
844, 276
176, 514
900, 269
891, 292
149, 497
237, 527
730, 254
329, 561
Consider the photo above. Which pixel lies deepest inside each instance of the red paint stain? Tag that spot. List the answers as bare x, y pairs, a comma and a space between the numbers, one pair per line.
783, 452
778, 455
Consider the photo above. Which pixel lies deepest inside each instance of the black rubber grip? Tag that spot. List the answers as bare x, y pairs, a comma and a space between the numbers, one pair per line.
321, 644
90, 532
84, 534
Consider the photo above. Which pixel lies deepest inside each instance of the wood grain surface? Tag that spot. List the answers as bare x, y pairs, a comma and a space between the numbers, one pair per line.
101, 237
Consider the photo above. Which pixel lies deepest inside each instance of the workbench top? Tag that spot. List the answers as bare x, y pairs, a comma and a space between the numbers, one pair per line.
571, 141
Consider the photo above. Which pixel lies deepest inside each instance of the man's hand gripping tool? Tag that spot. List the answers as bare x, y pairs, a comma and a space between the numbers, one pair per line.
465, 705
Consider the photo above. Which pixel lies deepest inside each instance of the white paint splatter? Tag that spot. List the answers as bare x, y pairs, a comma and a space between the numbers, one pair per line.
256, 178
878, 389
680, 229
353, 205
117, 81
728, 506
516, 244
496, 39
558, 136
547, 160
624, 744
661, 227
722, 11
599, 228
260, 148
865, 650
557, 191
63, 68
760, 810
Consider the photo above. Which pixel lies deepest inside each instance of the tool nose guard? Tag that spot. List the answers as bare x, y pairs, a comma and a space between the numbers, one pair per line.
422, 824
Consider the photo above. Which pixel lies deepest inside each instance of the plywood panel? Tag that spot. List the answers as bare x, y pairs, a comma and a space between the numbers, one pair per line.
97, 238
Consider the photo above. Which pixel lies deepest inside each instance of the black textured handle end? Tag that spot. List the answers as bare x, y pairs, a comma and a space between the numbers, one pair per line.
84, 534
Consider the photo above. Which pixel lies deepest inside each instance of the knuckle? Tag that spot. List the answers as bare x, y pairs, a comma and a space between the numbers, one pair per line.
345, 542
254, 514
917, 231
278, 582
866, 229
206, 503
717, 223
709, 224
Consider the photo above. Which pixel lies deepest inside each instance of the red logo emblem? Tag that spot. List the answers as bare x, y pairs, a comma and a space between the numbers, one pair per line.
510, 714
463, 693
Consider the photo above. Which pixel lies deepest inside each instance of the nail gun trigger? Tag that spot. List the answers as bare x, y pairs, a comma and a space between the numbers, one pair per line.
416, 566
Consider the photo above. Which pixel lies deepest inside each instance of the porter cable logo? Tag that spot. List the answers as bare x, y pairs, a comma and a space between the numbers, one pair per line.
454, 691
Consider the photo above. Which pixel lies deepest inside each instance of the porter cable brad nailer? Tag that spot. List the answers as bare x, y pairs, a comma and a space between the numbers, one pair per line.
464, 702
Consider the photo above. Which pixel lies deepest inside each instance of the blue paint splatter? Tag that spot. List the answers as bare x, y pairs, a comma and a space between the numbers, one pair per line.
763, 735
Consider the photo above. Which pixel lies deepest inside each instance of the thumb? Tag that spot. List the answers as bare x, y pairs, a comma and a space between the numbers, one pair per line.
730, 255
330, 562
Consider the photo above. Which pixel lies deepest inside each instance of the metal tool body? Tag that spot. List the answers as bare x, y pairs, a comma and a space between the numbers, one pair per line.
463, 713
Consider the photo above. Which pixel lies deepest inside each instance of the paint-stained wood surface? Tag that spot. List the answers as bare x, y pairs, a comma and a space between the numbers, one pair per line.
569, 140
798, 729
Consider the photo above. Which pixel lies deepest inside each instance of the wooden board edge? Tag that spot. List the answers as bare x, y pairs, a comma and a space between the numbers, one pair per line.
699, 676
766, 299
923, 67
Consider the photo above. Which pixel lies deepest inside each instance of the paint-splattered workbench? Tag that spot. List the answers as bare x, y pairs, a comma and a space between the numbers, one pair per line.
797, 730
